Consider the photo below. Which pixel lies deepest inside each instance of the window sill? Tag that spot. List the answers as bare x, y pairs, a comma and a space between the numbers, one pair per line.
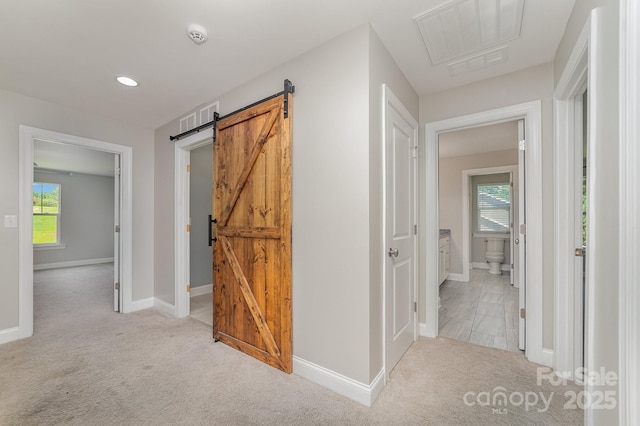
48, 247
491, 235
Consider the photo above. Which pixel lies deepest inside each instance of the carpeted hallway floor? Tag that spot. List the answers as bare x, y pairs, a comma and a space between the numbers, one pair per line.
86, 365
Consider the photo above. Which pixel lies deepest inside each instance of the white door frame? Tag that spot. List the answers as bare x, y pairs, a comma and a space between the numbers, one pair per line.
579, 72
531, 113
389, 100
467, 229
27, 137
629, 292
182, 156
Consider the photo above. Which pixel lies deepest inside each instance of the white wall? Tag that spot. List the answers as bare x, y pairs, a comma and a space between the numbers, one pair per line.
337, 283
605, 194
382, 70
330, 200
201, 187
86, 218
16, 109
522, 86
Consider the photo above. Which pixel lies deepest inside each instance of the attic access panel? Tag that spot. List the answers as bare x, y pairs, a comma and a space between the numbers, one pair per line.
463, 27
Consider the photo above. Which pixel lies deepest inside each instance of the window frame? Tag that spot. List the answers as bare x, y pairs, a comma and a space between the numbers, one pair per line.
58, 243
476, 224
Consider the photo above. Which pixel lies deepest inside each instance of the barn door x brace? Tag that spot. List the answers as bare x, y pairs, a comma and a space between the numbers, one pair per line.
288, 88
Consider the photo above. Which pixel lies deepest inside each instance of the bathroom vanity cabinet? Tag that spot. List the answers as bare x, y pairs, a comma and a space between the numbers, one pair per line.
443, 259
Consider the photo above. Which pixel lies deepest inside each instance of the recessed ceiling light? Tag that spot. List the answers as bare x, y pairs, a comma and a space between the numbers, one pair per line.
127, 81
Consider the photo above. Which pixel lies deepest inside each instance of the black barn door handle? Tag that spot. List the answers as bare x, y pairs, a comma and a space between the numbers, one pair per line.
211, 222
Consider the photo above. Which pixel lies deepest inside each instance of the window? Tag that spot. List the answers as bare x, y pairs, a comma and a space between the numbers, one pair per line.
494, 204
46, 213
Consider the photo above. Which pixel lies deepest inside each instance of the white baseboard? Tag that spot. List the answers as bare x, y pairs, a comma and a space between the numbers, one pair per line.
484, 265
138, 305
424, 331
9, 335
547, 357
152, 302
200, 290
457, 277
72, 263
163, 306
345, 386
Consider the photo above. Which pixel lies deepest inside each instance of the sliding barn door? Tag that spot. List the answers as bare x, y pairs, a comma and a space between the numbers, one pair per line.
252, 255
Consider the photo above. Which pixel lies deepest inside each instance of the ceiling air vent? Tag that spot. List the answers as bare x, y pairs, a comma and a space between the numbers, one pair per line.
476, 62
464, 27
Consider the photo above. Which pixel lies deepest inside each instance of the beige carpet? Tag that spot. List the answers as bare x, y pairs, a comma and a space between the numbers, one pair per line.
86, 365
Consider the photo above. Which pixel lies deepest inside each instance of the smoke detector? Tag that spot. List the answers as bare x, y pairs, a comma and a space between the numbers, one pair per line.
197, 33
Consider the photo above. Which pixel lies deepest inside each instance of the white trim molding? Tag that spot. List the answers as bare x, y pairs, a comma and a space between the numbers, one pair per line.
531, 113
25, 246
138, 305
200, 290
572, 82
336, 382
163, 306
547, 357
629, 270
466, 211
72, 263
457, 277
9, 335
485, 265
182, 156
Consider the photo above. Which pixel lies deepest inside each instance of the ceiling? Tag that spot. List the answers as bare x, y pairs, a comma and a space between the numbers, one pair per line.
72, 158
478, 140
69, 51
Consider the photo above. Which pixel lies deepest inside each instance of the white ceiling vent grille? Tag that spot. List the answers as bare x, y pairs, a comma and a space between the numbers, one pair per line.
463, 27
476, 62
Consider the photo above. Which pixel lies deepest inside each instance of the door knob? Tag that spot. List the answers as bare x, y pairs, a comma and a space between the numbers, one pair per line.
517, 241
393, 252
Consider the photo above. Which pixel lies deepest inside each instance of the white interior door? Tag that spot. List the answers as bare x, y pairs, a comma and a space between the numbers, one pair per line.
117, 298
521, 239
400, 231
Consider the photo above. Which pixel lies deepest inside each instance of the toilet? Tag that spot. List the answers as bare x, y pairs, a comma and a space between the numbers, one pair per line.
495, 254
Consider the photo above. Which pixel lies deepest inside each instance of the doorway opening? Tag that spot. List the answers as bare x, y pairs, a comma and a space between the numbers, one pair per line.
191, 198
119, 216
200, 249
478, 235
575, 102
530, 114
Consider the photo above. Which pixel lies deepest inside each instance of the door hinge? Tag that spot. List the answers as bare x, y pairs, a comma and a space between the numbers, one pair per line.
117, 228
188, 168
523, 313
414, 152
188, 227
415, 229
117, 172
117, 286
512, 266
523, 229
415, 306
188, 288
522, 145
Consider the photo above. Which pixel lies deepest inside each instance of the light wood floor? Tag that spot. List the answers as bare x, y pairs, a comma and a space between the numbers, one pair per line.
483, 311
202, 308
